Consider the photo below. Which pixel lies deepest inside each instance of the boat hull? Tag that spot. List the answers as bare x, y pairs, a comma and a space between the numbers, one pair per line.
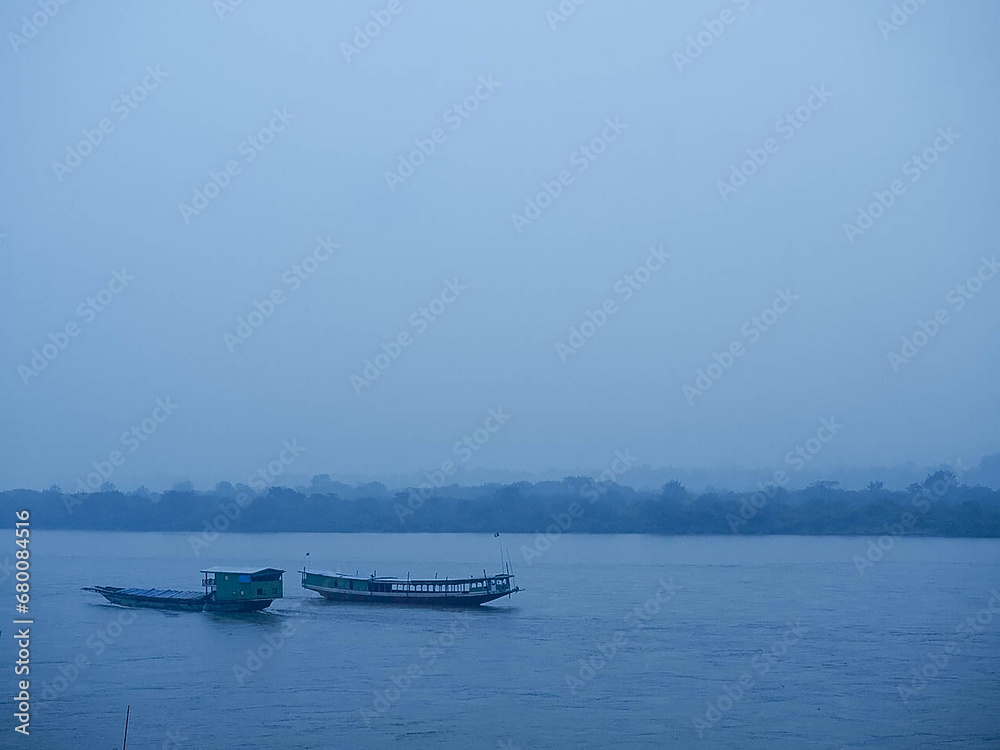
178, 601
154, 600
251, 606
332, 588
413, 600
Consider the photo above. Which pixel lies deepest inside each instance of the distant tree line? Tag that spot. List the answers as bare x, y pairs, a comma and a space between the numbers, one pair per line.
938, 506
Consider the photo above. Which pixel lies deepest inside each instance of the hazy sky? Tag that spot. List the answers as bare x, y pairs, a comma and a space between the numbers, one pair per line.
338, 120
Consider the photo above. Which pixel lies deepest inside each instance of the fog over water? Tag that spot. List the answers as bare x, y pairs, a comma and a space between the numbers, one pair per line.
754, 216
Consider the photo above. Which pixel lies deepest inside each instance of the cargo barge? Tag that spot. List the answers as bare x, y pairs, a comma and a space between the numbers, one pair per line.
229, 590
436, 592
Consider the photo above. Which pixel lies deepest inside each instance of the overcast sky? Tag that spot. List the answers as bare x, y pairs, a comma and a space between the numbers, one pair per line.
640, 119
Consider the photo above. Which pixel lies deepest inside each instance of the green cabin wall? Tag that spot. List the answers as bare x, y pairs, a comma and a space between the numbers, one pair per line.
228, 588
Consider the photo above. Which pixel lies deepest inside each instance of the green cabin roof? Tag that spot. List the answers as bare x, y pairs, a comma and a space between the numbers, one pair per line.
243, 571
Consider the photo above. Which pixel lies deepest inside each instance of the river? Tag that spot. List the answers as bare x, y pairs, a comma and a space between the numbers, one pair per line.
616, 641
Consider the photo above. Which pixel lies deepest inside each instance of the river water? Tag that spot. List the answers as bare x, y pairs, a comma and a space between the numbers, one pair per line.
617, 641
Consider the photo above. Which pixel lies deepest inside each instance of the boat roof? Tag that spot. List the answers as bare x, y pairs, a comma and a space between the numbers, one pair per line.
242, 570
408, 580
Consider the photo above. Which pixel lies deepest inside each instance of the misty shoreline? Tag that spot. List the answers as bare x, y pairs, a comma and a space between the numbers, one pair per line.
940, 506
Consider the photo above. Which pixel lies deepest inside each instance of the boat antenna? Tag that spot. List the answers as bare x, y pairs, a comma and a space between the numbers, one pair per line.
496, 534
305, 565
127, 709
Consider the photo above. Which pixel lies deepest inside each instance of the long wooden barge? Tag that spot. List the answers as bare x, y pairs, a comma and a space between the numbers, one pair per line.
436, 592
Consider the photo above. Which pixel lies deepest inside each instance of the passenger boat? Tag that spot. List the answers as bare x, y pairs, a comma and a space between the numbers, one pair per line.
432, 592
229, 590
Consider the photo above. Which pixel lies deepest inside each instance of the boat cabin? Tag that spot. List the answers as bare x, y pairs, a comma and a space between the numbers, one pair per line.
234, 585
490, 584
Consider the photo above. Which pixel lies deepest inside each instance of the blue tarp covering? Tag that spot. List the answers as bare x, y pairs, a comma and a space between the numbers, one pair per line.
164, 593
